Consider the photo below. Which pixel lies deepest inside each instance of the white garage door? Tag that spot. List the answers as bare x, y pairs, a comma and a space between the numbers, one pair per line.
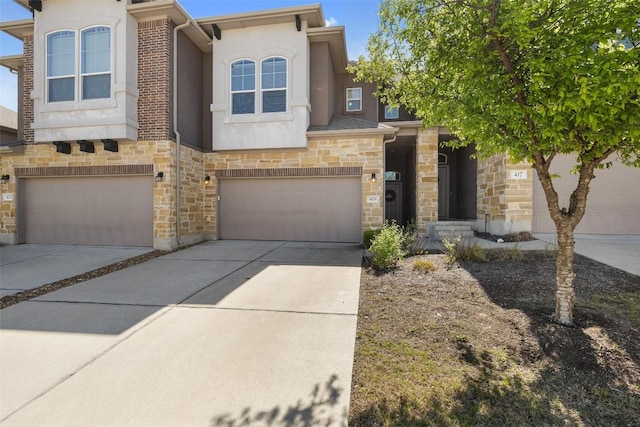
298, 209
113, 211
613, 204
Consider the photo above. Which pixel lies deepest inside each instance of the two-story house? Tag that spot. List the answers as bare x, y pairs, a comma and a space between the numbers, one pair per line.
140, 125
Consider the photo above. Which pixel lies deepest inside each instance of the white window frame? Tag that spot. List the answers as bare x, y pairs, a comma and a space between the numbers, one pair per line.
77, 67
387, 112
352, 98
66, 76
100, 73
279, 89
254, 90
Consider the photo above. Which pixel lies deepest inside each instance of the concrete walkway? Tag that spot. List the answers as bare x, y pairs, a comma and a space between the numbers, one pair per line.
29, 266
224, 333
622, 252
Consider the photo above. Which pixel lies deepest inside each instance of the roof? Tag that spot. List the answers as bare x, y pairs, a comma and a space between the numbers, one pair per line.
344, 124
8, 118
311, 13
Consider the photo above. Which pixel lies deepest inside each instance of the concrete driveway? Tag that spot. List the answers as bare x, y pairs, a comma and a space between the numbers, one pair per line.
29, 266
224, 333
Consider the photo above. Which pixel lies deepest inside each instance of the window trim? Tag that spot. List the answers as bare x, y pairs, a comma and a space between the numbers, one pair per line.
387, 116
46, 64
81, 75
347, 99
232, 92
279, 89
258, 91
77, 75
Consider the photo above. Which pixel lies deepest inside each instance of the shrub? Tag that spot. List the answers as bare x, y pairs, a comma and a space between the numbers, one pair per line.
386, 246
368, 235
424, 266
506, 254
409, 236
457, 249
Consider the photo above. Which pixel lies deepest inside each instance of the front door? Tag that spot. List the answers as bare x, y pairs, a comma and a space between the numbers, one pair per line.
443, 191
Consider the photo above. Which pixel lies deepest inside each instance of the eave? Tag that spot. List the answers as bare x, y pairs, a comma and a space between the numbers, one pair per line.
379, 131
12, 62
335, 37
172, 10
310, 13
18, 29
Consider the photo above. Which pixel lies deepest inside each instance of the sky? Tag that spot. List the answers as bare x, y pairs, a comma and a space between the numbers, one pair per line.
359, 17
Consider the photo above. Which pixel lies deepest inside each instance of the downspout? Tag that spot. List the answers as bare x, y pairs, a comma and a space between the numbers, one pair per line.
175, 126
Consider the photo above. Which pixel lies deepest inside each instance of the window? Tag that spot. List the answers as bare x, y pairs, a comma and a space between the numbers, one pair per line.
61, 67
94, 70
354, 99
243, 87
96, 63
390, 112
274, 85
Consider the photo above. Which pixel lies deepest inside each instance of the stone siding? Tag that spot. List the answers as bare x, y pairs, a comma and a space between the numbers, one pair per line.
27, 88
426, 178
505, 192
322, 152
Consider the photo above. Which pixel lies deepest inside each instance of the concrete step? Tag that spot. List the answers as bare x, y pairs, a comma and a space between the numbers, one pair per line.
452, 229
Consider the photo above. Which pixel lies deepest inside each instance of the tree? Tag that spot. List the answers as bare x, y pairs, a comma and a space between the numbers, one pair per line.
530, 78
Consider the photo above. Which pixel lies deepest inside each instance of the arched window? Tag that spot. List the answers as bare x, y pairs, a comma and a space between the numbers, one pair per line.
96, 63
243, 87
274, 85
61, 68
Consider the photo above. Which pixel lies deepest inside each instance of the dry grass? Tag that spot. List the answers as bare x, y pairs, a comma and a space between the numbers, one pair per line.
473, 345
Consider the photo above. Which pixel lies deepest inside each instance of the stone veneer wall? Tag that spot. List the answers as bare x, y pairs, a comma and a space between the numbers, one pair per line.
160, 154
324, 152
426, 178
504, 202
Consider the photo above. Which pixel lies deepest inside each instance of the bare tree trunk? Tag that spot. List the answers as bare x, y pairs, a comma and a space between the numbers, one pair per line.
565, 294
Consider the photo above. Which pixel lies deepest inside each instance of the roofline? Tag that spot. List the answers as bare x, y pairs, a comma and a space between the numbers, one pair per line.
18, 29
335, 36
12, 62
380, 131
23, 3
312, 13
174, 11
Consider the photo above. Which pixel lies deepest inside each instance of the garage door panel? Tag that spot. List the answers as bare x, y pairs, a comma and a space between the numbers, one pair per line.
613, 203
298, 209
89, 210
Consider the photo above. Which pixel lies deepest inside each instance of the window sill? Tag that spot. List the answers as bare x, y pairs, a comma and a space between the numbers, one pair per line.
259, 118
91, 104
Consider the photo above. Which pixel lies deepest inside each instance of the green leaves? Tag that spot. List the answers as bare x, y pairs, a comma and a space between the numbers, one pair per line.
521, 76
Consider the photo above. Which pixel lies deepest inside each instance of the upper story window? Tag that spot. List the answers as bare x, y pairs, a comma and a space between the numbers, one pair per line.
61, 66
243, 87
390, 113
272, 86
354, 99
94, 73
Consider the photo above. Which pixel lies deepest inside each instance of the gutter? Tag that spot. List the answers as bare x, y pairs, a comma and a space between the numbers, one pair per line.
175, 126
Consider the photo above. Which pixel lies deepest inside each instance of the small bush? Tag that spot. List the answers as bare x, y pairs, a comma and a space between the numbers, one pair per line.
424, 266
386, 246
506, 254
409, 236
457, 249
368, 235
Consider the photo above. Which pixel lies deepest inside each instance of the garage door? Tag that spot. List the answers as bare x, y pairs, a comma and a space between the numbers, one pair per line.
114, 211
299, 209
613, 204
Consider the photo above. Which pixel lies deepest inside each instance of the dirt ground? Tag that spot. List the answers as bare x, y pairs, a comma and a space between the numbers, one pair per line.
473, 344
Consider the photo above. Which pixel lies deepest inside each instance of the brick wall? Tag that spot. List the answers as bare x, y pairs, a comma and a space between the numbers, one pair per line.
154, 80
27, 85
